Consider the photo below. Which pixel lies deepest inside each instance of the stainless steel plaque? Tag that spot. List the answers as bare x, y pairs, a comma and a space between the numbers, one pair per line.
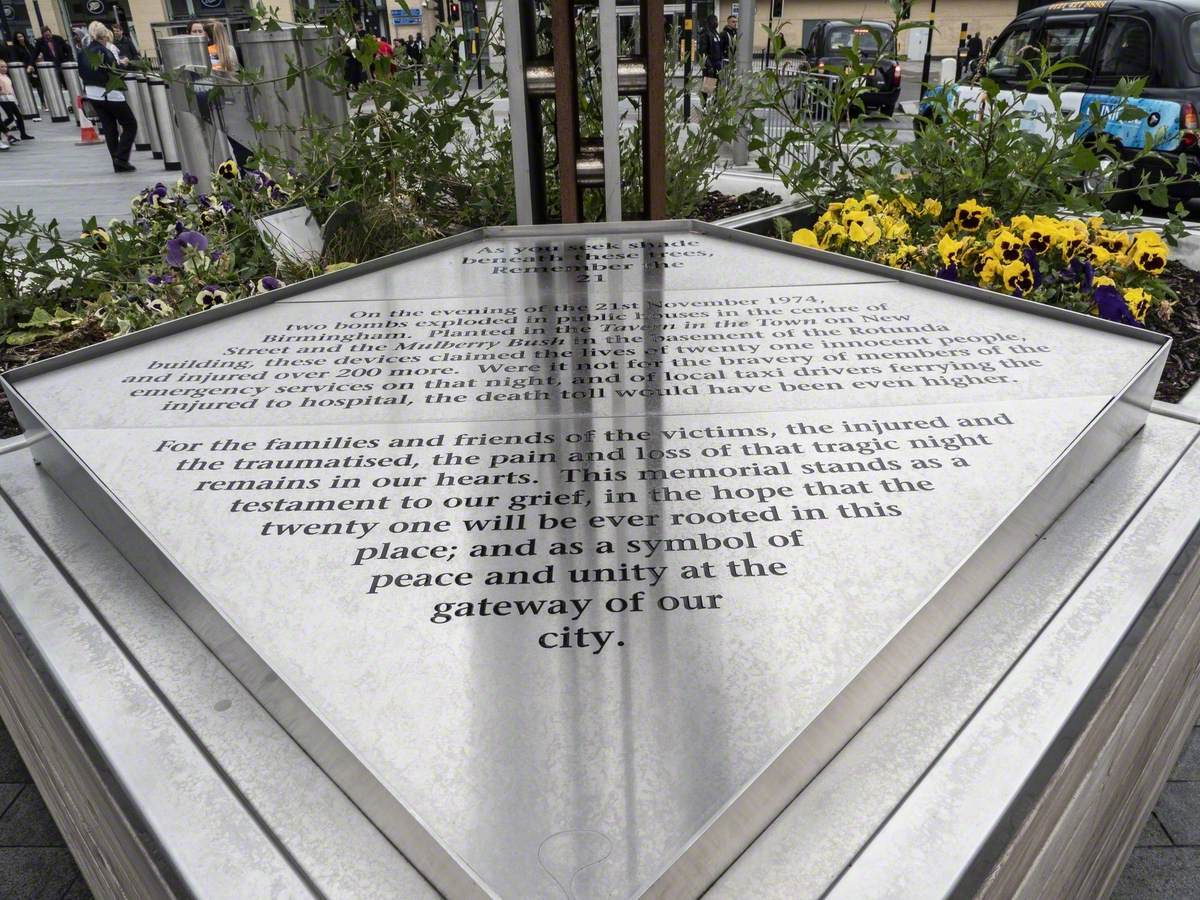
573, 554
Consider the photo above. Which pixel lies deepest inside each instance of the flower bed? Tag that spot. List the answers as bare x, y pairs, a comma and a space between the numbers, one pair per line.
1085, 265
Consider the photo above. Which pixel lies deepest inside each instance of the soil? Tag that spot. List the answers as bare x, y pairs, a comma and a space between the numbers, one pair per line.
716, 205
1183, 365
11, 357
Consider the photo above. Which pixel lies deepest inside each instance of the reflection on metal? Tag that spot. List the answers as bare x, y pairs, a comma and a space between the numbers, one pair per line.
288, 98
745, 62
166, 123
185, 61
74, 87
21, 88
582, 164
52, 91
151, 118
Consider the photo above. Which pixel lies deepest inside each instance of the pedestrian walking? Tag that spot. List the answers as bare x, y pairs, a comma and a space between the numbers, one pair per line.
124, 43
729, 37
11, 112
713, 57
974, 50
97, 69
51, 48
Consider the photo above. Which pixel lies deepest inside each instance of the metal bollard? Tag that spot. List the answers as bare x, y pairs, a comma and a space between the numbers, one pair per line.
137, 97
52, 91
166, 125
185, 57
74, 87
24, 93
327, 106
278, 105
152, 132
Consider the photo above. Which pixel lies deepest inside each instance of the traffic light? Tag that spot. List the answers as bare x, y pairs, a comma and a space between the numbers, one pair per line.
455, 13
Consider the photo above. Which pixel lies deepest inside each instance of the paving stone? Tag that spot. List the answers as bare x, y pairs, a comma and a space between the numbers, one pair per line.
59, 180
1179, 812
1153, 834
1160, 873
12, 768
36, 873
1188, 766
78, 891
27, 822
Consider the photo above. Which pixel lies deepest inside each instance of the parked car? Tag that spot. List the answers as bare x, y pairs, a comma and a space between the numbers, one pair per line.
827, 45
1106, 41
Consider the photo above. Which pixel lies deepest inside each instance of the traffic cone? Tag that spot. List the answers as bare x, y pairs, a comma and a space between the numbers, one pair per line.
87, 131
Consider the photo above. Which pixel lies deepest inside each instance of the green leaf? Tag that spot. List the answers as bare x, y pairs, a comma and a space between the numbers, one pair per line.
1083, 158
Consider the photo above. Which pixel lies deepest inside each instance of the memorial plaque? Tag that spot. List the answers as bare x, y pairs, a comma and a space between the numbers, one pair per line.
572, 554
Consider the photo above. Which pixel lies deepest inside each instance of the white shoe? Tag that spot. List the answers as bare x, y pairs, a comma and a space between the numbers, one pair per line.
3, 145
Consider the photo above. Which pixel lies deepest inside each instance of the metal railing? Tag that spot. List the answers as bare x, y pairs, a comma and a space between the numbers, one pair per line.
801, 97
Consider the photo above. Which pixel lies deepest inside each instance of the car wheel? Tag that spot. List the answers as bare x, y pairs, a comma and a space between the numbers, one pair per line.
888, 109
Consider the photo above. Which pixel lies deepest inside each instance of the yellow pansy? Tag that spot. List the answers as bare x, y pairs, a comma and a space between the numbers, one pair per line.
1138, 300
1020, 223
805, 237
1103, 281
894, 229
1007, 246
970, 215
988, 269
833, 235
950, 249
906, 204
903, 256
1149, 252
1018, 276
931, 208
865, 231
1113, 241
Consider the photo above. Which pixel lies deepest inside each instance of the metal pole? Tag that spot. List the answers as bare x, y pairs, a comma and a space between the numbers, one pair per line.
687, 61
654, 123
566, 109
524, 122
611, 110
745, 61
770, 25
928, 49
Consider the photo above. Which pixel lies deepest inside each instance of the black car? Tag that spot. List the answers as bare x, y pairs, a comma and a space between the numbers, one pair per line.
827, 45
1106, 41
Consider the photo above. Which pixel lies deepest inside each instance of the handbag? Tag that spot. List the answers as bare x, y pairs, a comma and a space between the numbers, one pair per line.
708, 85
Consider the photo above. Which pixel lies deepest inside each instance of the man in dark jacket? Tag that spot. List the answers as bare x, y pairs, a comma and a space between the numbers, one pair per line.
51, 48
124, 43
712, 57
729, 37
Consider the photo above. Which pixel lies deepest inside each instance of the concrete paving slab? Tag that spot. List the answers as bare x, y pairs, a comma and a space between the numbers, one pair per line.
1160, 873
1153, 834
62, 181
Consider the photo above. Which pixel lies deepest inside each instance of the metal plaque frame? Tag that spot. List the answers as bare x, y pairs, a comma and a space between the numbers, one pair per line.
714, 847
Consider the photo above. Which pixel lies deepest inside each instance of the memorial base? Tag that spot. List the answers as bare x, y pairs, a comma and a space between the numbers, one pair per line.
194, 765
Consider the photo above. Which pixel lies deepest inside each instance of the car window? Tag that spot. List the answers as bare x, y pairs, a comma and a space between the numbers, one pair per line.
1125, 48
842, 36
1008, 53
1067, 41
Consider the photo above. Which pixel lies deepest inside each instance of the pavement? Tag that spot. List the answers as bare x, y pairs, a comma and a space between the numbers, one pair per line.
35, 863
63, 181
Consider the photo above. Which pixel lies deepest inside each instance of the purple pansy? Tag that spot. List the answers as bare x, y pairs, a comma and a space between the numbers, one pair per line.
950, 273
190, 180
176, 250
1112, 305
269, 283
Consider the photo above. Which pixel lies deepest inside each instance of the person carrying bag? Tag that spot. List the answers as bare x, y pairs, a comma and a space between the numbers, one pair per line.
105, 91
713, 55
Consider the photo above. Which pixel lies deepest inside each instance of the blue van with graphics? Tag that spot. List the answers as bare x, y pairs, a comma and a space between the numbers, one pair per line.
1106, 41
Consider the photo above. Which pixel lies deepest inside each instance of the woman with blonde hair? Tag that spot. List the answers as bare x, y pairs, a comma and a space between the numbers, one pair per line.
221, 54
98, 63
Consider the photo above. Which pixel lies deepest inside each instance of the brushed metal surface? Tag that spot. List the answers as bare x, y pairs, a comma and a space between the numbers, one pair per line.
500, 763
